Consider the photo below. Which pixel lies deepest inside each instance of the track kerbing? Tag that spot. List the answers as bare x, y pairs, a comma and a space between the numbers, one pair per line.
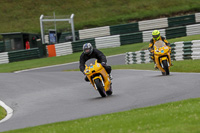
9, 112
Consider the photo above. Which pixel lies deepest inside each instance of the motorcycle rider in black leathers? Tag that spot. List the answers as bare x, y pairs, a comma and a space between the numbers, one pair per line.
90, 52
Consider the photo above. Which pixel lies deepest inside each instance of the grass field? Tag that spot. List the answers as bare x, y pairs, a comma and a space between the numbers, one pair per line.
16, 66
2, 113
23, 15
178, 66
174, 117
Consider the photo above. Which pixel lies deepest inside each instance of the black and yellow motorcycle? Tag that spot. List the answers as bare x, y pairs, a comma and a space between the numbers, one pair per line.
162, 57
98, 77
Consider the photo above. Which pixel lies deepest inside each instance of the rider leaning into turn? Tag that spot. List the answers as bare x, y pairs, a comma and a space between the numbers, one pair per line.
156, 37
90, 52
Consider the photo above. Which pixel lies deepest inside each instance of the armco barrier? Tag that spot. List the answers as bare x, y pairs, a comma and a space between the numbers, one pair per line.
160, 23
153, 24
131, 38
176, 32
94, 32
124, 28
177, 51
24, 54
197, 17
193, 29
196, 49
110, 41
181, 20
186, 50
4, 58
180, 51
138, 57
2, 48
137, 32
63, 48
118, 40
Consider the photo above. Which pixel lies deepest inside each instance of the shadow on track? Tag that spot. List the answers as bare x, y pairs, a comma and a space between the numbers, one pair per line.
101, 98
158, 76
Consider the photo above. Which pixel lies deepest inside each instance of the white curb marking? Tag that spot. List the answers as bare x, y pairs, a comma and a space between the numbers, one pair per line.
45, 67
58, 65
8, 110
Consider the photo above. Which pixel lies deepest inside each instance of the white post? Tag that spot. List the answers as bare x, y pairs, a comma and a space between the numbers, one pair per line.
41, 28
72, 26
71, 20
55, 26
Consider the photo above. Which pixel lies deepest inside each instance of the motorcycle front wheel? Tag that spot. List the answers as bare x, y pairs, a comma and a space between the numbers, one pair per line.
109, 92
165, 67
100, 87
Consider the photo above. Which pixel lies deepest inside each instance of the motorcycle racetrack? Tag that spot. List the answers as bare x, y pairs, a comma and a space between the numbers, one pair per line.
45, 96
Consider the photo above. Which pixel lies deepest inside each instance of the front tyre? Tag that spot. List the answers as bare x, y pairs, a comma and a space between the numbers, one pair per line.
100, 87
109, 92
165, 67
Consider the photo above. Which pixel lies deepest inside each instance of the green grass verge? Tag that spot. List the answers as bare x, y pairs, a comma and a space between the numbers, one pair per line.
178, 66
21, 65
2, 113
24, 16
176, 117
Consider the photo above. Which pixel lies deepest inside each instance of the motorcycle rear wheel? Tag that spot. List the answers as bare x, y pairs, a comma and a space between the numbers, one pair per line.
166, 68
100, 87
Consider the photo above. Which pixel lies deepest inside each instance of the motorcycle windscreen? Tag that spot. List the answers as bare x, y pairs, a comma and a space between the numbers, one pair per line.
90, 62
159, 44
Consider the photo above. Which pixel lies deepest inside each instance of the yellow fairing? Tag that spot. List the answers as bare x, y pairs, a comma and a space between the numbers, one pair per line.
158, 63
161, 53
97, 71
163, 58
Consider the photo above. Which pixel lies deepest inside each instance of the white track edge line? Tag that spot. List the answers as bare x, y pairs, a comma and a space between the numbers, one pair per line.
45, 67
58, 65
8, 110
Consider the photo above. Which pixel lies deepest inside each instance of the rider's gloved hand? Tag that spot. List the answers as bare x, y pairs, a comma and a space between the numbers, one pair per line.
103, 63
83, 73
170, 49
151, 50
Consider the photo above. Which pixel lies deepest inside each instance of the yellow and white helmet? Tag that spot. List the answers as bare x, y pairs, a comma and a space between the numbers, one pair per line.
156, 35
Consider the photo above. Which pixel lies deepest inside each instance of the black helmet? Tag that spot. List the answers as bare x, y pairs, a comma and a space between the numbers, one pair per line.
87, 48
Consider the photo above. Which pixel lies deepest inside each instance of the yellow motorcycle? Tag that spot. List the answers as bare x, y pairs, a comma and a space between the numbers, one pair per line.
162, 57
98, 77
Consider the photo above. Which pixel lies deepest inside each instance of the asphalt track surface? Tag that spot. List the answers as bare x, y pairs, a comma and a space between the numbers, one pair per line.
45, 97
111, 60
